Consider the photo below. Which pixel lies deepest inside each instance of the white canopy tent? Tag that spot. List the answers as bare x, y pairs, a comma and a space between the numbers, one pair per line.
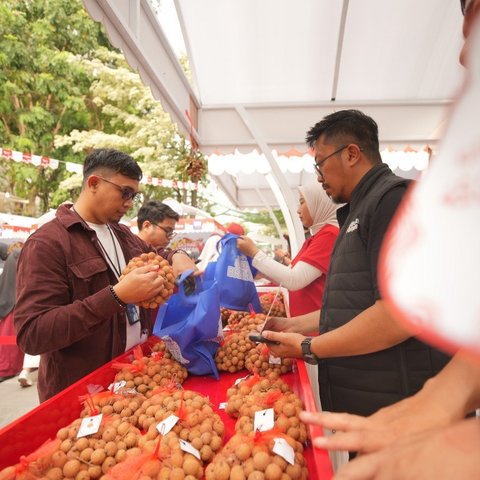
265, 71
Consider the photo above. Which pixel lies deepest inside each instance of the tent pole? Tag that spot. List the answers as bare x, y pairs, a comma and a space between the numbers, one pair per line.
278, 183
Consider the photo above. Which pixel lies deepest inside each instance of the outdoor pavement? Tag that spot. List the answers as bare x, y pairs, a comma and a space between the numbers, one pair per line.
15, 401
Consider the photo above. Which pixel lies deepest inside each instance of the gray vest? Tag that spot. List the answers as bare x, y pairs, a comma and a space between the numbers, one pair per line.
362, 384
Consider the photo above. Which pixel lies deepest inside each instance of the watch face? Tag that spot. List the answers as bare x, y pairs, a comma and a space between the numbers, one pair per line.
311, 359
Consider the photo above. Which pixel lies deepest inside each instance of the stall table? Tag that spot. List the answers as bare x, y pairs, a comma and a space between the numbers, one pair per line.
27, 433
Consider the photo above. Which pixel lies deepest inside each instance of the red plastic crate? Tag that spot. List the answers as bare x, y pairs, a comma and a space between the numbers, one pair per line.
27, 433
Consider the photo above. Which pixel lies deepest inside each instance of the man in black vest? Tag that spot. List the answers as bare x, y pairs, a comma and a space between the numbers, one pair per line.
366, 360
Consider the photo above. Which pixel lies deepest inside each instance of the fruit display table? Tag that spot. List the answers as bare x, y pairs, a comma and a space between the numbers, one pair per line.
27, 433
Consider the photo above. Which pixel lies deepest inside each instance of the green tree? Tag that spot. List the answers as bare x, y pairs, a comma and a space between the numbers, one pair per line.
131, 120
42, 92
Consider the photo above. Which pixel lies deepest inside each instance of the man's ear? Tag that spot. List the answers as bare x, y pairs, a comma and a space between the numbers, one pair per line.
92, 181
354, 154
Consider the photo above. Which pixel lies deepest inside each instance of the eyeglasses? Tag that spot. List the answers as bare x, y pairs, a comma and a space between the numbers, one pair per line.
318, 166
169, 233
128, 193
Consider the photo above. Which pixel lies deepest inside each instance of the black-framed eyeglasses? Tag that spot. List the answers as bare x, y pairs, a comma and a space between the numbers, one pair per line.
318, 166
128, 193
169, 233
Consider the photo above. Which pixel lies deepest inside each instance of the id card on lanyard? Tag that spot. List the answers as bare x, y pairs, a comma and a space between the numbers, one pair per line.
132, 314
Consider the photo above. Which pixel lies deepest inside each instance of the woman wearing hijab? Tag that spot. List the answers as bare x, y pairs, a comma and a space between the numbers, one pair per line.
305, 276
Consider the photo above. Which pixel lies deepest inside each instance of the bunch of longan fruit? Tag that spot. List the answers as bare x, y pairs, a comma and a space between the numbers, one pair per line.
123, 404
258, 361
235, 316
231, 354
91, 457
151, 373
278, 307
286, 406
166, 461
248, 458
198, 424
252, 385
165, 272
248, 323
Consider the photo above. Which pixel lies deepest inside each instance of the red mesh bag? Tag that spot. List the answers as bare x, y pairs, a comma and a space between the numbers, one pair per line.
259, 361
231, 354
145, 374
286, 406
253, 457
251, 385
34, 465
198, 424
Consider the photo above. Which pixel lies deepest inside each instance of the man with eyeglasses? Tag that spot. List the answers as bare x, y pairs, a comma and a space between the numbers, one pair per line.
72, 307
156, 223
366, 360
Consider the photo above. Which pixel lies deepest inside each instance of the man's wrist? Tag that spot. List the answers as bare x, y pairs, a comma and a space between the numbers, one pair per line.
307, 353
116, 297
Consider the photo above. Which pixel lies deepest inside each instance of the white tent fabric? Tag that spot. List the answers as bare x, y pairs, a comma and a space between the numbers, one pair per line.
265, 71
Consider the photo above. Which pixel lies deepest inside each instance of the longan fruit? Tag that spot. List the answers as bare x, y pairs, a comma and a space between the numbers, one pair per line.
273, 472
237, 473
55, 473
71, 468
95, 471
261, 461
177, 473
59, 459
98, 456
190, 465
107, 464
82, 475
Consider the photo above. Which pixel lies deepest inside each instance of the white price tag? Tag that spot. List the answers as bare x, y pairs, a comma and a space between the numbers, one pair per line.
189, 448
117, 386
264, 420
274, 360
166, 425
89, 425
238, 380
222, 406
282, 448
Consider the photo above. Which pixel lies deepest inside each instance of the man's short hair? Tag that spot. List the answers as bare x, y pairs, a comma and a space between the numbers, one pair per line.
462, 5
109, 161
155, 211
348, 126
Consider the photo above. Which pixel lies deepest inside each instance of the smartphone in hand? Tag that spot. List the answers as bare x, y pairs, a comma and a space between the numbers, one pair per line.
257, 338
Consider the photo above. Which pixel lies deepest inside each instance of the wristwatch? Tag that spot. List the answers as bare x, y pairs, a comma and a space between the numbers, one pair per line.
307, 354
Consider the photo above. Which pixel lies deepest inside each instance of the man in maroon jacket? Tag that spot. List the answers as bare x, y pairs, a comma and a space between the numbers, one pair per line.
72, 308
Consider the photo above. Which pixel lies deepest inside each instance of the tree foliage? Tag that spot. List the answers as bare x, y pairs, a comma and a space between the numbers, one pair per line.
64, 91
41, 92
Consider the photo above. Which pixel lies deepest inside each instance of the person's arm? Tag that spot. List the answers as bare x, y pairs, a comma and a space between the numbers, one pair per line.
294, 278
47, 319
372, 330
443, 400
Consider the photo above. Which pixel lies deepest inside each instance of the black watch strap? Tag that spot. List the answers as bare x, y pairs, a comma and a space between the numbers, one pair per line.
307, 354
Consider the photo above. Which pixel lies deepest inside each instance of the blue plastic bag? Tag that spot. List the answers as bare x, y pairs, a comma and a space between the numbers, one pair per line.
191, 327
234, 275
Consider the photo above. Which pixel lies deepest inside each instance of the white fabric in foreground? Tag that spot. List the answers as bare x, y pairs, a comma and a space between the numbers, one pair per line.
430, 266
